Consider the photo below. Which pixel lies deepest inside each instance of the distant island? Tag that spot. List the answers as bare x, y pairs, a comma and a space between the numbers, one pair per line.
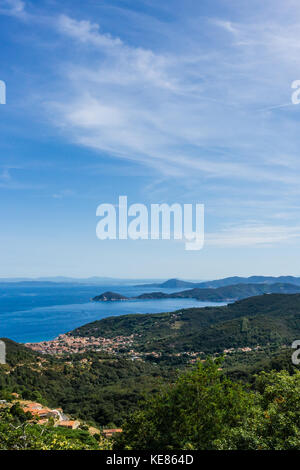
109, 297
220, 294
171, 283
227, 281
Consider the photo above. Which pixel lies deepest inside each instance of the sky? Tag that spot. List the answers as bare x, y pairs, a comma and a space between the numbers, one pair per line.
165, 102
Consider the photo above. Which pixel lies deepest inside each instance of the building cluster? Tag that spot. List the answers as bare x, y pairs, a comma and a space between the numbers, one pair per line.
245, 349
43, 414
110, 432
68, 344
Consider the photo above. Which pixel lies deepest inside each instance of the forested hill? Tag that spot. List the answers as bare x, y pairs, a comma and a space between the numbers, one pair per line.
268, 319
233, 292
94, 387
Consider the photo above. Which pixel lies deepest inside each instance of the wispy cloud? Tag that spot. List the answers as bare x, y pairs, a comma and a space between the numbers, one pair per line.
253, 234
213, 110
86, 32
179, 113
63, 193
13, 8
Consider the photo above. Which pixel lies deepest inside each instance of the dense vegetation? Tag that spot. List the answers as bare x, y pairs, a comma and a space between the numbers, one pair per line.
94, 387
205, 410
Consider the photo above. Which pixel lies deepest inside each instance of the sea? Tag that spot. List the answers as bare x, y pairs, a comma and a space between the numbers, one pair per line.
34, 312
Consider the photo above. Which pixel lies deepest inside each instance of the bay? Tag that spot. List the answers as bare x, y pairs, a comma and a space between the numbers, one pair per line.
32, 313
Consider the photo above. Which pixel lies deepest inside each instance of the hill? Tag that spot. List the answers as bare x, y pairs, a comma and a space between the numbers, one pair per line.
94, 387
109, 297
237, 291
170, 283
250, 280
272, 319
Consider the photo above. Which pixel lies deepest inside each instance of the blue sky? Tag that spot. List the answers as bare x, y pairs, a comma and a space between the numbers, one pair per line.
176, 101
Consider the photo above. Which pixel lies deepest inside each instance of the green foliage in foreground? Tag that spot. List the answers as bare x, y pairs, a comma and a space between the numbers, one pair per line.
205, 410
17, 432
191, 414
274, 423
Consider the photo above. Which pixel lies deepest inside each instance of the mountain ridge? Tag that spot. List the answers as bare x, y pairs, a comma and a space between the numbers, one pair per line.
218, 294
174, 283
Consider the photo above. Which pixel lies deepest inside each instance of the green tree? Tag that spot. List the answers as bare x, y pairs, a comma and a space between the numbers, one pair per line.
202, 406
274, 423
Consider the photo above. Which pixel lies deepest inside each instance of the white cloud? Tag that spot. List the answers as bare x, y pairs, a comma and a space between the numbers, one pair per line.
123, 64
86, 32
253, 234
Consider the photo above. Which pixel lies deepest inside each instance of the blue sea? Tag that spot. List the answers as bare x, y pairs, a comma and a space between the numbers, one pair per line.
38, 312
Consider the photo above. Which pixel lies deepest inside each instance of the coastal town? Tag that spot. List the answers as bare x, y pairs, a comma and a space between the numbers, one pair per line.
68, 344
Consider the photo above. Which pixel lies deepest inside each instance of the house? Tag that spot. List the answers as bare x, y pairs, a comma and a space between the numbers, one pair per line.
110, 432
32, 406
69, 424
41, 413
37, 410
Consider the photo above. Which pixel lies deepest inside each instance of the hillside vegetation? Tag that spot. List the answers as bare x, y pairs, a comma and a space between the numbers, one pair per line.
205, 410
93, 387
268, 319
